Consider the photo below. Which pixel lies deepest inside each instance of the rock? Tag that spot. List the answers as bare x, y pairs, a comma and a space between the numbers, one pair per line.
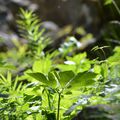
64, 12
99, 112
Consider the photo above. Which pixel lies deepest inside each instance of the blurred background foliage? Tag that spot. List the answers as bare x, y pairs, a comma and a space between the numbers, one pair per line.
91, 22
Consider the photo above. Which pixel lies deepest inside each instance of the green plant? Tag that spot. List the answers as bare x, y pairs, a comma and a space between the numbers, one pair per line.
77, 63
61, 81
30, 29
53, 89
114, 3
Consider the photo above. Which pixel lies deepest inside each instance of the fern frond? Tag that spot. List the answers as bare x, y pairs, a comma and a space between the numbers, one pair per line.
30, 29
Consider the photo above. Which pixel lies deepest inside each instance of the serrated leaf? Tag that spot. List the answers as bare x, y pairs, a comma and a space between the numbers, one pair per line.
39, 76
83, 79
65, 77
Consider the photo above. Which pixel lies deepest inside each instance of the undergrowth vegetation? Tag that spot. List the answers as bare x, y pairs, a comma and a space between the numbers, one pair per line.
53, 85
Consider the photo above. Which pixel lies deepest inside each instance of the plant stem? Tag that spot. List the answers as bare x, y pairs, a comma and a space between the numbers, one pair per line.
58, 109
49, 102
48, 97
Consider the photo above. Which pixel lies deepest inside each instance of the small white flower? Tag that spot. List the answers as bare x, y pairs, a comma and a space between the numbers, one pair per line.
69, 62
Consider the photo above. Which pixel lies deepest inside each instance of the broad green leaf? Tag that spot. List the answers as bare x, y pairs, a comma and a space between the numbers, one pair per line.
42, 65
39, 76
30, 91
66, 67
65, 77
83, 79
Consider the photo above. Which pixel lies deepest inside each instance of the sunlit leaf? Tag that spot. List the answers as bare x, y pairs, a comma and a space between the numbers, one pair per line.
65, 77
108, 2
40, 77
83, 79
42, 65
52, 80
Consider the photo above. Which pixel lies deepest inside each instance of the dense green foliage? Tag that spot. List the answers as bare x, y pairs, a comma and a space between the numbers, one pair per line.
38, 85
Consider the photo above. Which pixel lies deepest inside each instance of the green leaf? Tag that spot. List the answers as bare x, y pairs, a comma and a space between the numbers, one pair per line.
52, 80
104, 70
7, 66
42, 65
108, 2
83, 79
39, 76
77, 63
65, 77
97, 69
77, 58
66, 67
